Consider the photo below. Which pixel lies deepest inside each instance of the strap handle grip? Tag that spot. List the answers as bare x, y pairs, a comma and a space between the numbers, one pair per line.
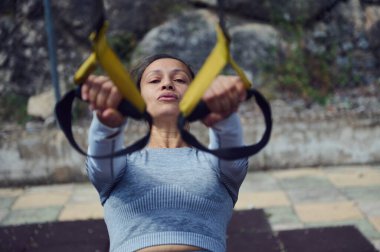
63, 113
230, 153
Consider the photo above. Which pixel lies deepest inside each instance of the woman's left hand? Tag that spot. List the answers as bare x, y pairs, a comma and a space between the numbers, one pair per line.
223, 98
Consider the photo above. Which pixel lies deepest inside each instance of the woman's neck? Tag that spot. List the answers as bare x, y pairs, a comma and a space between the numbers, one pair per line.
165, 134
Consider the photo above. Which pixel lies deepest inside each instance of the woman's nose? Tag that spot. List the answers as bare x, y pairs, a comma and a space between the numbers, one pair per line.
167, 85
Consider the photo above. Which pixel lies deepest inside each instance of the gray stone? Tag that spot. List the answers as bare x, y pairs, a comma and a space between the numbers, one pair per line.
190, 36
259, 181
362, 194
301, 183
282, 216
42, 105
315, 194
370, 208
291, 11
36, 215
254, 47
6, 203
3, 214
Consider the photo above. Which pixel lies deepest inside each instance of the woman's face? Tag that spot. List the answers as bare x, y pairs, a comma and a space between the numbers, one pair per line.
163, 84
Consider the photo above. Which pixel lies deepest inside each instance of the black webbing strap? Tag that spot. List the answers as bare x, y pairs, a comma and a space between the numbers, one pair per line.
232, 152
201, 109
63, 113
136, 106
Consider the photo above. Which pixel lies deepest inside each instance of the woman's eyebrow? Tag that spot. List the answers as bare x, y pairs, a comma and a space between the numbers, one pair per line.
174, 71
152, 73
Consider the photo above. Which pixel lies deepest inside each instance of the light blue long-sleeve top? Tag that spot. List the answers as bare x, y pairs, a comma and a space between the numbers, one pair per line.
162, 196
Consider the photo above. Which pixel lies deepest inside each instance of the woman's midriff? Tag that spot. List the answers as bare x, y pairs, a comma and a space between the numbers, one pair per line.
170, 248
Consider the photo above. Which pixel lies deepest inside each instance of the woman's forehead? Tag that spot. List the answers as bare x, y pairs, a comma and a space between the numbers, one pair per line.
166, 64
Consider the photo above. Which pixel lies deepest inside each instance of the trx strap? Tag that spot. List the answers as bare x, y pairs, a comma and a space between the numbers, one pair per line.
132, 105
191, 107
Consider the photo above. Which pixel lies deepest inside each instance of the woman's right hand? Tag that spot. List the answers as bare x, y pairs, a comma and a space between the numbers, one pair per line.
103, 97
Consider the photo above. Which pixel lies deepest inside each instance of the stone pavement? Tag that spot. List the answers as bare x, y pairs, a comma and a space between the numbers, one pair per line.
292, 199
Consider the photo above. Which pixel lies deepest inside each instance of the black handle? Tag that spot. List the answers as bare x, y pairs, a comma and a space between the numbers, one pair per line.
232, 152
124, 107
201, 110
63, 110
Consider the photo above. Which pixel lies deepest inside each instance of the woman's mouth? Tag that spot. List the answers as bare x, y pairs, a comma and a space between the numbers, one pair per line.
168, 97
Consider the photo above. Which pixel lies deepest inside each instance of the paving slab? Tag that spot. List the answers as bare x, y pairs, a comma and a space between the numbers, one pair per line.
55, 188
355, 178
369, 208
83, 193
376, 243
10, 192
81, 211
259, 181
327, 212
315, 194
39, 199
6, 202
249, 200
36, 215
3, 213
298, 173
359, 194
304, 182
375, 222
281, 218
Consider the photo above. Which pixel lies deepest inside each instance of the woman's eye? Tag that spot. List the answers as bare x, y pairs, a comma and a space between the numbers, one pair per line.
154, 81
180, 80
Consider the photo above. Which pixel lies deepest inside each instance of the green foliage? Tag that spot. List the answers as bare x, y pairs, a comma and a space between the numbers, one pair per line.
123, 45
299, 72
13, 108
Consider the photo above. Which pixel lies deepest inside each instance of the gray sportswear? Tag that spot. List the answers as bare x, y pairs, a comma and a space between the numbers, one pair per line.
160, 196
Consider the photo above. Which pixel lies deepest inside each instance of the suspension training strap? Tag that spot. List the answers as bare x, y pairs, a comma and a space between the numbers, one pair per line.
192, 108
132, 105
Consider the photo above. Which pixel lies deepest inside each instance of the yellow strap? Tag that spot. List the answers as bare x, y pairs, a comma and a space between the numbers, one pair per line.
85, 69
240, 72
214, 63
106, 57
115, 69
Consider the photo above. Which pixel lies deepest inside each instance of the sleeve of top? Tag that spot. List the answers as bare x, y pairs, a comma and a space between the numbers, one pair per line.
228, 133
104, 172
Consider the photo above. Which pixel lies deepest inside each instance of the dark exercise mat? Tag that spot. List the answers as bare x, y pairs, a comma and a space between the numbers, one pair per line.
325, 239
55, 237
248, 231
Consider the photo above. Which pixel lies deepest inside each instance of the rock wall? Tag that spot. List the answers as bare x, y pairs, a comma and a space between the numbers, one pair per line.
346, 30
314, 137
341, 36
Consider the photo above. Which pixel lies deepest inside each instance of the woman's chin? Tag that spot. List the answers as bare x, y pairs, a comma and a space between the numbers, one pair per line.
171, 113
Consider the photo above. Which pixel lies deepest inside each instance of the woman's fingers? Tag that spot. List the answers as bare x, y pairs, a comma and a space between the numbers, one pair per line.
104, 98
114, 98
110, 117
224, 97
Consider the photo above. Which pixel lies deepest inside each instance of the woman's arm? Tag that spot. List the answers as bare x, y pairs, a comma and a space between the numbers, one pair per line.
104, 140
106, 132
228, 133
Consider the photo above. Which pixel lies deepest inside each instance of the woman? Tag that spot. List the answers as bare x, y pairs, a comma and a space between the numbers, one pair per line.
168, 196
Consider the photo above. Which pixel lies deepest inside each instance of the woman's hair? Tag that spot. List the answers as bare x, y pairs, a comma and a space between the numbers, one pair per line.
139, 69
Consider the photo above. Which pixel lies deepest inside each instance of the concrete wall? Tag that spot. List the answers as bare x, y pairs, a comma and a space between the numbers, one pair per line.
301, 137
